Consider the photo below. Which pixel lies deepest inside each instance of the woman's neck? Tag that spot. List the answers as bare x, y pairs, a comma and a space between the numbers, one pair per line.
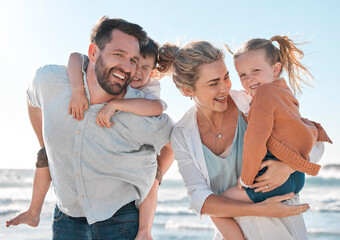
212, 119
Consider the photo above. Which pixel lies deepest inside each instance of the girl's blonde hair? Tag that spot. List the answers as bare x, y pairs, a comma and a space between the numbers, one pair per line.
182, 64
287, 54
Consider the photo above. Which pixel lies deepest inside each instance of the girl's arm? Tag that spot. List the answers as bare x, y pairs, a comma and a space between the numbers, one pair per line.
138, 106
79, 102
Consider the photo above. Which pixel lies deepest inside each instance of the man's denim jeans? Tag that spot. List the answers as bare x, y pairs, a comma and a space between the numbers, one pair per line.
122, 225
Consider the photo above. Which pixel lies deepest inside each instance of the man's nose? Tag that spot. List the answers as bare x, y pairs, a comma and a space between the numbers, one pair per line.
127, 66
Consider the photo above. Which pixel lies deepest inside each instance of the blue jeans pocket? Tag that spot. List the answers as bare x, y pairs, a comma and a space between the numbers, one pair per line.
58, 215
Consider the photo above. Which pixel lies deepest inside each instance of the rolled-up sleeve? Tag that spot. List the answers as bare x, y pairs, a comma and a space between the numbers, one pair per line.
197, 187
32, 92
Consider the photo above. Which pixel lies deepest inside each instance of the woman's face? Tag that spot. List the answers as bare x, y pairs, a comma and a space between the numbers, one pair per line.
212, 87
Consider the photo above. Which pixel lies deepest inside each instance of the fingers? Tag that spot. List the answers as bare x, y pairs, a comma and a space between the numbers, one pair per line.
265, 188
70, 109
107, 123
99, 122
86, 106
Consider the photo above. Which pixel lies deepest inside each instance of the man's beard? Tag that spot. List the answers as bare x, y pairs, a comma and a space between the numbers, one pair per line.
103, 75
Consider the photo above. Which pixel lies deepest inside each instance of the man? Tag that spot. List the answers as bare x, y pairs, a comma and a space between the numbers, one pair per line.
99, 174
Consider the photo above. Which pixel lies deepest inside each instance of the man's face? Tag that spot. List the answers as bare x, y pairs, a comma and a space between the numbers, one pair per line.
117, 62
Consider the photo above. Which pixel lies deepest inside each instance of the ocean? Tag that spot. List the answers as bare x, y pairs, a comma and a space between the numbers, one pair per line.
173, 220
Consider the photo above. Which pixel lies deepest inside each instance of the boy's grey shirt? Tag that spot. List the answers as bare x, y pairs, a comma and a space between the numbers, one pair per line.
95, 170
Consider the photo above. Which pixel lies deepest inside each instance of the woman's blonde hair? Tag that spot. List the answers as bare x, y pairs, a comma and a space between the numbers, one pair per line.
182, 64
287, 54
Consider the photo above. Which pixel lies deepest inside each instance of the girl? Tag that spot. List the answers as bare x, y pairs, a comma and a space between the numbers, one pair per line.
275, 128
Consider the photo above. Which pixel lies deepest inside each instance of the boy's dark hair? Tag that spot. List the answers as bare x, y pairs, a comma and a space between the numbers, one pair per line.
101, 32
150, 49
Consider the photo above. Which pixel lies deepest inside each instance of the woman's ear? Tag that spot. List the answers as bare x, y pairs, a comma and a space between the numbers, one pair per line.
277, 69
188, 92
93, 52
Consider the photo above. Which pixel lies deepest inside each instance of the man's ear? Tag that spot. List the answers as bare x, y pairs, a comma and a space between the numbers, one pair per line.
93, 52
277, 69
188, 92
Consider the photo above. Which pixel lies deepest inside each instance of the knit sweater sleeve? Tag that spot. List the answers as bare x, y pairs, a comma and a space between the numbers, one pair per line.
322, 135
260, 125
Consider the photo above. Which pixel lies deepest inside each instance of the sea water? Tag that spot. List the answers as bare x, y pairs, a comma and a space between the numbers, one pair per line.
173, 219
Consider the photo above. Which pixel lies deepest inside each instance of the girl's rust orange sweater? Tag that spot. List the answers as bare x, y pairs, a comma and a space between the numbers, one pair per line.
275, 124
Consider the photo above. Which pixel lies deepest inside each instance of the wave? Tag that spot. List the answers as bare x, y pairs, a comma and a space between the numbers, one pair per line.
181, 225
313, 231
178, 211
330, 171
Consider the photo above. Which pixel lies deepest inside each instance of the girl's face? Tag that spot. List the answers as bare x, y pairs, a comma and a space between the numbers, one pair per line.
254, 69
212, 87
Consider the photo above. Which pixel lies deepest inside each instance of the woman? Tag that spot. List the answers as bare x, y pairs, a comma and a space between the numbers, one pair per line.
208, 143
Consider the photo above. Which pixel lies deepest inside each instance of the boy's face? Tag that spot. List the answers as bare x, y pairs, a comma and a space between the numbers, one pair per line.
143, 72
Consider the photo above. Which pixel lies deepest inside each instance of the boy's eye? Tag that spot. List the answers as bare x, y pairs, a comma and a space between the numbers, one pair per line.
133, 61
256, 70
146, 68
242, 75
117, 54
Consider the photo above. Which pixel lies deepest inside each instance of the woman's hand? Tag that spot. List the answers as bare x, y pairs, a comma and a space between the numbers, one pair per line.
276, 175
272, 207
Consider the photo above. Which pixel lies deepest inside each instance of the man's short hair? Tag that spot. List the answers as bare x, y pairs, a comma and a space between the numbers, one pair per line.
150, 49
101, 32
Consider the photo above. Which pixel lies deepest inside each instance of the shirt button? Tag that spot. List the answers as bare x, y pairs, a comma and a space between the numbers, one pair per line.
81, 196
76, 154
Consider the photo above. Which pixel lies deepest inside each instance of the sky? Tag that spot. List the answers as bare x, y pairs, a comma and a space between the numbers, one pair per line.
39, 32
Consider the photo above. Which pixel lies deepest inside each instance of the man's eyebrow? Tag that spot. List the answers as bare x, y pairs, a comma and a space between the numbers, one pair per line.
119, 50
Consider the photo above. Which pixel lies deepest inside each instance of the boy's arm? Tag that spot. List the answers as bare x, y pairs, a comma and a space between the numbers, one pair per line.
79, 102
148, 207
42, 178
139, 106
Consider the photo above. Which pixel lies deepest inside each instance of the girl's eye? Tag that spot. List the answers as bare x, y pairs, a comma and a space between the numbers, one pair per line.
256, 70
242, 75
213, 84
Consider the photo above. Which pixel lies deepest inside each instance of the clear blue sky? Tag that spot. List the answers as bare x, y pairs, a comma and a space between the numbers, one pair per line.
38, 32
